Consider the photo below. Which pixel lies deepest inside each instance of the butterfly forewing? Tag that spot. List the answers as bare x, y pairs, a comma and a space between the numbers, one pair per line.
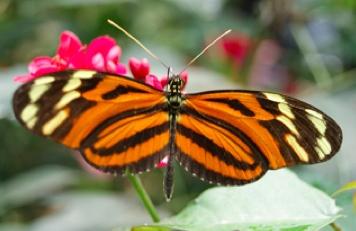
233, 137
116, 122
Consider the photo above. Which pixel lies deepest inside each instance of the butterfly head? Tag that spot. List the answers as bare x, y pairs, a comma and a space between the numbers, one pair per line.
175, 83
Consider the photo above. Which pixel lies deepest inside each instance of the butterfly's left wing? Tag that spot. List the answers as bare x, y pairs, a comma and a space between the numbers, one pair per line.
115, 122
234, 137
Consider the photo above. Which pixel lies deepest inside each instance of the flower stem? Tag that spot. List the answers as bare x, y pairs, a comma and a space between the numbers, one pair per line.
144, 197
313, 59
335, 227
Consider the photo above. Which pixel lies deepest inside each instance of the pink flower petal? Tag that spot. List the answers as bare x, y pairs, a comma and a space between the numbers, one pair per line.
139, 68
69, 45
154, 82
184, 77
112, 59
78, 61
121, 69
102, 44
39, 62
114, 54
43, 65
47, 70
164, 81
102, 54
98, 63
108, 50
163, 163
111, 67
23, 78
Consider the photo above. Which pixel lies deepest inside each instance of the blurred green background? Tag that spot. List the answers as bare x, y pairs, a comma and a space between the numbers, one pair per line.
304, 48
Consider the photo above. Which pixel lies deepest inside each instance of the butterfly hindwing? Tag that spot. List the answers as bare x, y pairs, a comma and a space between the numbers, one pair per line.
233, 137
115, 122
216, 152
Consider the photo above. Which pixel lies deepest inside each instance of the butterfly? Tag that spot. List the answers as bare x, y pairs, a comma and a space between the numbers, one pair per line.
227, 137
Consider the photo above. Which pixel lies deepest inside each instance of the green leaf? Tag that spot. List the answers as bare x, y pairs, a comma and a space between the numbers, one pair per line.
279, 201
347, 187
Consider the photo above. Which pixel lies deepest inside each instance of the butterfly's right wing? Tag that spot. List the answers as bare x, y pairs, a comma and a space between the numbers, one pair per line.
115, 122
234, 137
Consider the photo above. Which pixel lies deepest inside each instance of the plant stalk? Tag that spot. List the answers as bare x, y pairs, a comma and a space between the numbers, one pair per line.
335, 227
313, 59
144, 197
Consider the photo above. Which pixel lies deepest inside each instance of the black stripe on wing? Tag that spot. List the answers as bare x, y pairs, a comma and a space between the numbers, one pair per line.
215, 150
258, 156
209, 176
93, 136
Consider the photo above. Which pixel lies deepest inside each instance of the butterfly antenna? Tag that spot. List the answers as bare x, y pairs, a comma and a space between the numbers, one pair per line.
205, 49
138, 42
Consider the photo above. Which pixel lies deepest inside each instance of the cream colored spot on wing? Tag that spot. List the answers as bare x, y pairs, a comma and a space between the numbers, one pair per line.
44, 80
320, 153
83, 74
315, 113
30, 124
275, 97
37, 91
286, 110
299, 150
318, 123
71, 85
28, 112
67, 98
55, 122
324, 145
289, 123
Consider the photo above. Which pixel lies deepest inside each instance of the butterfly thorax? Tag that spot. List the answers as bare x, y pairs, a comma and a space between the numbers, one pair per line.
174, 92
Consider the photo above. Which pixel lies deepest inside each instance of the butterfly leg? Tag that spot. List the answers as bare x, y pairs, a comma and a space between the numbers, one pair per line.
168, 183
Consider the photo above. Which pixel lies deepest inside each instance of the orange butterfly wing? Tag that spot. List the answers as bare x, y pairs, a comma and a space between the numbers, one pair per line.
117, 123
234, 137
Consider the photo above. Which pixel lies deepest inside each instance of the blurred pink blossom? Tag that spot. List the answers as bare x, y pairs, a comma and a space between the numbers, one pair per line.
139, 68
154, 82
236, 47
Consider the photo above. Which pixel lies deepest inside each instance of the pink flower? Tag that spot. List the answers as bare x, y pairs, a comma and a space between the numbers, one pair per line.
102, 54
69, 45
163, 163
154, 82
40, 66
139, 68
184, 77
